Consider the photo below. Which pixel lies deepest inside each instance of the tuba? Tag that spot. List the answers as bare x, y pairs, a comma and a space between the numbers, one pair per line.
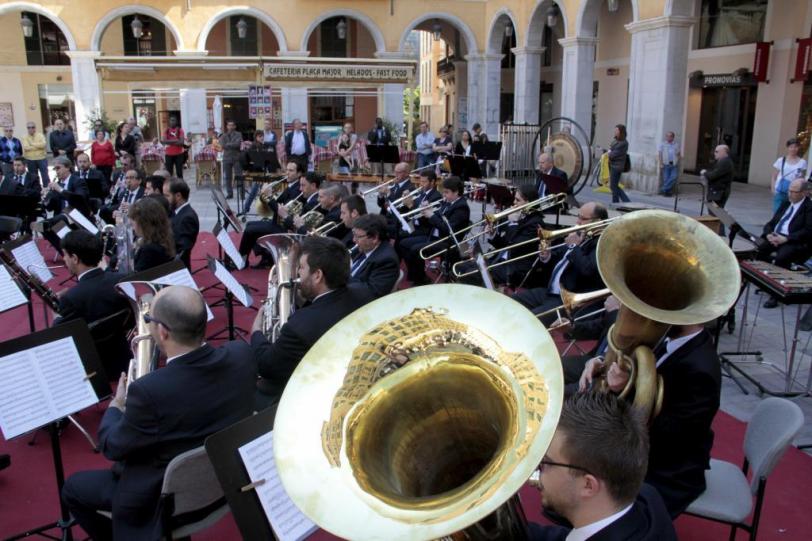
140, 295
411, 419
664, 269
280, 301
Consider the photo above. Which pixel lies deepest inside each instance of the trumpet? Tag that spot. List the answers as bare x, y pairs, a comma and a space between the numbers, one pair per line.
570, 301
325, 229
419, 210
541, 204
402, 200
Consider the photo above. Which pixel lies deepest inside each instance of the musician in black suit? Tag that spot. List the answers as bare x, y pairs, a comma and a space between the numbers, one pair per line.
94, 296
453, 211
330, 196
67, 190
788, 234
681, 435
400, 186
574, 265
377, 265
547, 168
592, 476
294, 173
128, 194
155, 245
352, 207
309, 186
719, 178
20, 182
97, 187
200, 391
297, 145
324, 269
427, 195
185, 224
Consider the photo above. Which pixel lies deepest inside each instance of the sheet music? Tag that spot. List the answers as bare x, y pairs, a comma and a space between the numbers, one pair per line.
10, 294
228, 246
403, 223
28, 255
61, 230
482, 265
287, 521
231, 284
80, 219
181, 278
40, 385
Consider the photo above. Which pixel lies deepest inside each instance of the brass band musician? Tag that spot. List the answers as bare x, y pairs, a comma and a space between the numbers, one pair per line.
352, 207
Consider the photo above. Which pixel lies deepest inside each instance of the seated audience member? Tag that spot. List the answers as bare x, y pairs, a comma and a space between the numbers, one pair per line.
150, 421
376, 266
681, 435
592, 476
324, 270
155, 245
788, 234
185, 224
94, 296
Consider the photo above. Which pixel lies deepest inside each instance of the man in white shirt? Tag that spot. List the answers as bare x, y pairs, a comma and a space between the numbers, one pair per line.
668, 157
592, 476
424, 145
297, 145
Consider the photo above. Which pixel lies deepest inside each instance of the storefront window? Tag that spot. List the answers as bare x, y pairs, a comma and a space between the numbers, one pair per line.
731, 22
333, 42
47, 44
152, 41
56, 102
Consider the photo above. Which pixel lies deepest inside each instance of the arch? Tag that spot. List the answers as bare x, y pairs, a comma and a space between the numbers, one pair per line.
493, 42
113, 14
36, 8
587, 22
369, 24
679, 7
459, 24
243, 10
538, 20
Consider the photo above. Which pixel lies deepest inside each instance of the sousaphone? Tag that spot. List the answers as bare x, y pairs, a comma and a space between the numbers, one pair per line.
419, 415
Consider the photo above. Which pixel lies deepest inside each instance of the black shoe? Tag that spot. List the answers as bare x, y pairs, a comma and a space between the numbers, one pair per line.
772, 302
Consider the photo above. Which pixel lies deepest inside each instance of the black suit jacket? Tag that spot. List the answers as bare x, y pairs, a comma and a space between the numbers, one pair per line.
30, 187
185, 227
119, 196
647, 520
74, 194
92, 298
525, 229
800, 227
396, 192
581, 275
681, 437
373, 139
150, 255
290, 193
721, 176
421, 225
555, 172
380, 271
278, 360
170, 411
96, 184
457, 213
289, 143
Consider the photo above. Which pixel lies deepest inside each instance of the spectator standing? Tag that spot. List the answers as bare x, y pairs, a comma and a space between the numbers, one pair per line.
668, 157
787, 168
618, 154
10, 148
173, 139
424, 145
346, 149
103, 155
34, 152
62, 140
125, 142
231, 141
720, 177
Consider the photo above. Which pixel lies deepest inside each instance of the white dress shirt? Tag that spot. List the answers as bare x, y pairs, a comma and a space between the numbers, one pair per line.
585, 532
297, 143
672, 345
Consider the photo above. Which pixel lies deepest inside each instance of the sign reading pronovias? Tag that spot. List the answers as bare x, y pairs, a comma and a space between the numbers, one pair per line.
333, 72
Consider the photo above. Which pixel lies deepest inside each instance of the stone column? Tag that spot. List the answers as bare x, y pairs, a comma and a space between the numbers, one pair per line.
392, 104
657, 92
86, 89
294, 104
527, 84
576, 79
484, 86
461, 89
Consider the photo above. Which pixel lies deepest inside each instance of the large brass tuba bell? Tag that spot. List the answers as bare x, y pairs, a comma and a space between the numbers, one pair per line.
665, 269
407, 421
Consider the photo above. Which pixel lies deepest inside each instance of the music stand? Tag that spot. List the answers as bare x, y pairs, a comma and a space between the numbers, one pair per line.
21, 206
232, 290
465, 167
488, 151
8, 247
383, 154
734, 228
262, 161
44, 347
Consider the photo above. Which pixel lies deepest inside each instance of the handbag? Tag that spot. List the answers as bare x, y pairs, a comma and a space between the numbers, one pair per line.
783, 183
627, 165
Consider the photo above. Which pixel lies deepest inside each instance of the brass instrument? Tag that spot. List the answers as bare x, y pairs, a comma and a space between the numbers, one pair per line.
419, 210
294, 206
402, 200
548, 236
379, 186
325, 229
407, 422
124, 244
570, 301
664, 269
312, 218
267, 193
140, 295
279, 303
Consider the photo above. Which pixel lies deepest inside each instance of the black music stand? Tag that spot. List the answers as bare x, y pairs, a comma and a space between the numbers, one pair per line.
223, 450
734, 228
260, 161
383, 154
228, 302
78, 331
21, 206
465, 167
7, 247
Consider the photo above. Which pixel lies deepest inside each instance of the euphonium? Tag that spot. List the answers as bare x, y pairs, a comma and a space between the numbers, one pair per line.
280, 300
664, 269
141, 342
407, 422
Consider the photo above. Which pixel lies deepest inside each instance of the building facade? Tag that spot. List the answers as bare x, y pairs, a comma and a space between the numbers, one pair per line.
654, 65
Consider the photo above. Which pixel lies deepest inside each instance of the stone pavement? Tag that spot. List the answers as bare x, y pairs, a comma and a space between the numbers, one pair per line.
772, 334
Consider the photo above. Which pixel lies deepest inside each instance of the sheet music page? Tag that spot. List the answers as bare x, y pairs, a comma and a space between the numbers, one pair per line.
228, 246
40, 385
28, 255
482, 265
80, 219
61, 230
288, 523
403, 223
10, 294
181, 278
128, 289
231, 283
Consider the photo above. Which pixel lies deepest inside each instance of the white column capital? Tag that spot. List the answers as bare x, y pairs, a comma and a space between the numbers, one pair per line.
528, 50
578, 41
674, 21
293, 53
83, 55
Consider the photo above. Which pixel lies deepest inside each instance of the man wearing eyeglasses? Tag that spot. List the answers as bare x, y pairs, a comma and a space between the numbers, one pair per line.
34, 152
377, 266
592, 476
150, 421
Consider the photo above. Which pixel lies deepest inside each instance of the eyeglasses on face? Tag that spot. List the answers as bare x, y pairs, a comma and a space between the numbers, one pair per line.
546, 462
149, 319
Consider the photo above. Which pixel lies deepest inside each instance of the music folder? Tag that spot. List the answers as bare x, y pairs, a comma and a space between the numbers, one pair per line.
383, 153
554, 184
48, 375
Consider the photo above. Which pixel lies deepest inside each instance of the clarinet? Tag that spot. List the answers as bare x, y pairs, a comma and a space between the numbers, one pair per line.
32, 282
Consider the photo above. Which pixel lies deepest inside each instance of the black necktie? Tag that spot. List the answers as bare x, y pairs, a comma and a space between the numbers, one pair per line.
19, 179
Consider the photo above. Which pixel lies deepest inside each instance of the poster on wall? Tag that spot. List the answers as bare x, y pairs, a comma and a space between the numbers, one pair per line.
193, 115
259, 101
6, 114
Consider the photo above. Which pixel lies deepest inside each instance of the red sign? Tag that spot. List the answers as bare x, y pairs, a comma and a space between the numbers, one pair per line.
802, 61
761, 61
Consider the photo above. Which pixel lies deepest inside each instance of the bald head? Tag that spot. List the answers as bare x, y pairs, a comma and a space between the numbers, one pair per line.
545, 162
183, 312
592, 212
721, 151
402, 170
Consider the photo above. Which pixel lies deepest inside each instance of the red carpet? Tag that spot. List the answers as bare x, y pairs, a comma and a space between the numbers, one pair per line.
28, 493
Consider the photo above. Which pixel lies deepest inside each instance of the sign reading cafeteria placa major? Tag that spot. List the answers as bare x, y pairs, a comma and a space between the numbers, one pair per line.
334, 72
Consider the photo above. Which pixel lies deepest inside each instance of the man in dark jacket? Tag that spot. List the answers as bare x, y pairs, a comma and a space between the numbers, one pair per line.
720, 177
376, 266
297, 145
592, 476
150, 421
185, 224
324, 269
20, 182
62, 141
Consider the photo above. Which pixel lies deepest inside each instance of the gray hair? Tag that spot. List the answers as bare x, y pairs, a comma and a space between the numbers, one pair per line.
63, 161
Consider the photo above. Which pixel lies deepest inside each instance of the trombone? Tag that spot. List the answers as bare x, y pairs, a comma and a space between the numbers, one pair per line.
418, 210
391, 180
325, 229
570, 301
545, 237
542, 204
